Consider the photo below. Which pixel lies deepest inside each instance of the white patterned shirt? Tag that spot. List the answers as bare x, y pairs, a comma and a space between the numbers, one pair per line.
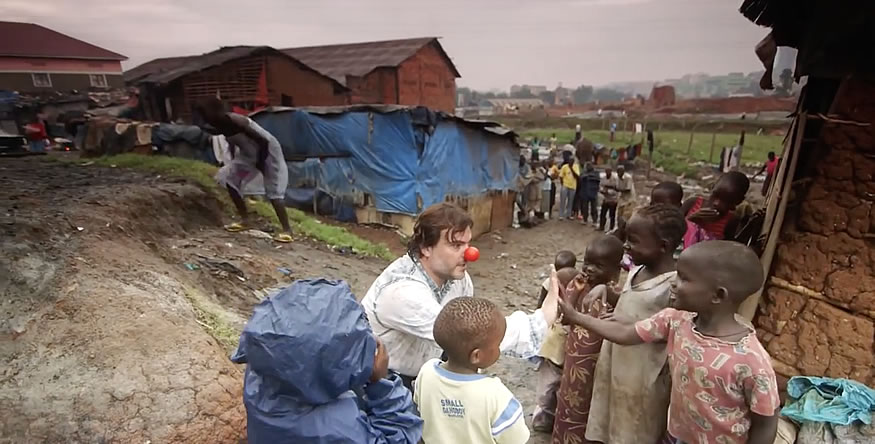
403, 303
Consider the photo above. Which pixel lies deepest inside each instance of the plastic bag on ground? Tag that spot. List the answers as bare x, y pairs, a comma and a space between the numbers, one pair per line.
835, 401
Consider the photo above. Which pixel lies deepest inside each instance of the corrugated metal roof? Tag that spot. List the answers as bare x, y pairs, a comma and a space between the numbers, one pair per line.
158, 65
166, 70
358, 59
32, 40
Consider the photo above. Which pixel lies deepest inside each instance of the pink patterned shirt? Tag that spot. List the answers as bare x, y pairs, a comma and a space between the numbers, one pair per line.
715, 383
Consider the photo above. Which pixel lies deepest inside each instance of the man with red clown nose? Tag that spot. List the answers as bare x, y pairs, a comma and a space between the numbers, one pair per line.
404, 301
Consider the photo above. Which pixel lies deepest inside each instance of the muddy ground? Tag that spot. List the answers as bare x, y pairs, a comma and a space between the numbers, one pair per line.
105, 279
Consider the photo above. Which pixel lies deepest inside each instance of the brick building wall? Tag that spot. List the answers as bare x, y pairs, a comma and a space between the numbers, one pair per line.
378, 86
305, 87
823, 323
237, 83
426, 79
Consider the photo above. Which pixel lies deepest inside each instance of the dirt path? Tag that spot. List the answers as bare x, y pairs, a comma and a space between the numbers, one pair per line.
111, 280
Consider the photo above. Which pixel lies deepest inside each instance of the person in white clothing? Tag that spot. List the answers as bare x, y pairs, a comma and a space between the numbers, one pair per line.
404, 301
256, 153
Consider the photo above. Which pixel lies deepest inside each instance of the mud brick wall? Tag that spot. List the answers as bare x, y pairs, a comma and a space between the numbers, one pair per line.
427, 79
827, 248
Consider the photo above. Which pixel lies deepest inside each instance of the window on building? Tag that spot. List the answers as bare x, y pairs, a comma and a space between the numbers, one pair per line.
98, 80
41, 80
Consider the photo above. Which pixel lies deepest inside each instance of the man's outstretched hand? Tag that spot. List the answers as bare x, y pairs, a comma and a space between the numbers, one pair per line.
550, 307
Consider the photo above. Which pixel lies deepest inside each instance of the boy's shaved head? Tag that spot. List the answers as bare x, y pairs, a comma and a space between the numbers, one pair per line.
465, 324
668, 193
607, 246
727, 264
564, 259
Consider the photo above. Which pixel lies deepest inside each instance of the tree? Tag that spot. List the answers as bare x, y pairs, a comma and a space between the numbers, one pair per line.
548, 97
785, 83
582, 94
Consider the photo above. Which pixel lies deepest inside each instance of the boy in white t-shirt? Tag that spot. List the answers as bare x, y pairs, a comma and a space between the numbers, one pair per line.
456, 402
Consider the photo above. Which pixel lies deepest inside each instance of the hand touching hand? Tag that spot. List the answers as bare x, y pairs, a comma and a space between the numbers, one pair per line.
550, 307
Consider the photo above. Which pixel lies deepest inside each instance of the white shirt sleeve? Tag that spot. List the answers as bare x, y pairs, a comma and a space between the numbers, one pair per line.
408, 307
524, 334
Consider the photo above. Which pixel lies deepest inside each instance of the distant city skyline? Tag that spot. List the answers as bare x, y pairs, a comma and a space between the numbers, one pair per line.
494, 43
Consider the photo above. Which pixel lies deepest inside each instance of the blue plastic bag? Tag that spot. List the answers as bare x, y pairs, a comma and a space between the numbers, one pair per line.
835, 401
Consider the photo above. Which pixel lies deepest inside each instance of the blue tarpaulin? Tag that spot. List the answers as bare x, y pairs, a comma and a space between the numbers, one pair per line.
393, 157
835, 401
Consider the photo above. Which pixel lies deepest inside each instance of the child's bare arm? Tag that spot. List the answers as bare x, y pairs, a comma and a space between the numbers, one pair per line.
611, 329
762, 429
541, 297
611, 296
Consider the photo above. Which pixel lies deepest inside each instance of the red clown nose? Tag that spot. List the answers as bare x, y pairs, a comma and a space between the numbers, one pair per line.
472, 254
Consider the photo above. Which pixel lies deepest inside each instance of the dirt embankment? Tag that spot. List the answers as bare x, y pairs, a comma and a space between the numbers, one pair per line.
99, 340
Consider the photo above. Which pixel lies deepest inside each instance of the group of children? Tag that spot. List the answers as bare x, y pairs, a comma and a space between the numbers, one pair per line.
676, 366
664, 359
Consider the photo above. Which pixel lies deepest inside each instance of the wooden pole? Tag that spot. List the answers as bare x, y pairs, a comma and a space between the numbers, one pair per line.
649, 164
713, 144
690, 145
776, 208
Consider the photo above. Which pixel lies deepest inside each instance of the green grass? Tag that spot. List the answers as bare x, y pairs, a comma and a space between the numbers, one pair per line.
213, 320
671, 150
202, 174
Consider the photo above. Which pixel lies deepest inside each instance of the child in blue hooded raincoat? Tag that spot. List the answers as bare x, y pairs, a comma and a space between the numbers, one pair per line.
315, 372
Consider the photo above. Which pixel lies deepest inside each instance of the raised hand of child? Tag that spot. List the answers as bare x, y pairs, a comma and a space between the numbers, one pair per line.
381, 362
595, 299
704, 215
567, 312
574, 289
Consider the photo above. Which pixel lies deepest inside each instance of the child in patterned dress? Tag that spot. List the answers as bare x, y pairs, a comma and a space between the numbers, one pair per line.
589, 293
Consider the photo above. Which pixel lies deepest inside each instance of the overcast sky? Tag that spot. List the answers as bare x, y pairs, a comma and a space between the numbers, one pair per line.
494, 43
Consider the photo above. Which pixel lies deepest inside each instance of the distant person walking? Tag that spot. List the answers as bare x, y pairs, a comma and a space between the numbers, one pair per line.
626, 190
769, 168
568, 176
257, 153
608, 190
37, 137
588, 190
